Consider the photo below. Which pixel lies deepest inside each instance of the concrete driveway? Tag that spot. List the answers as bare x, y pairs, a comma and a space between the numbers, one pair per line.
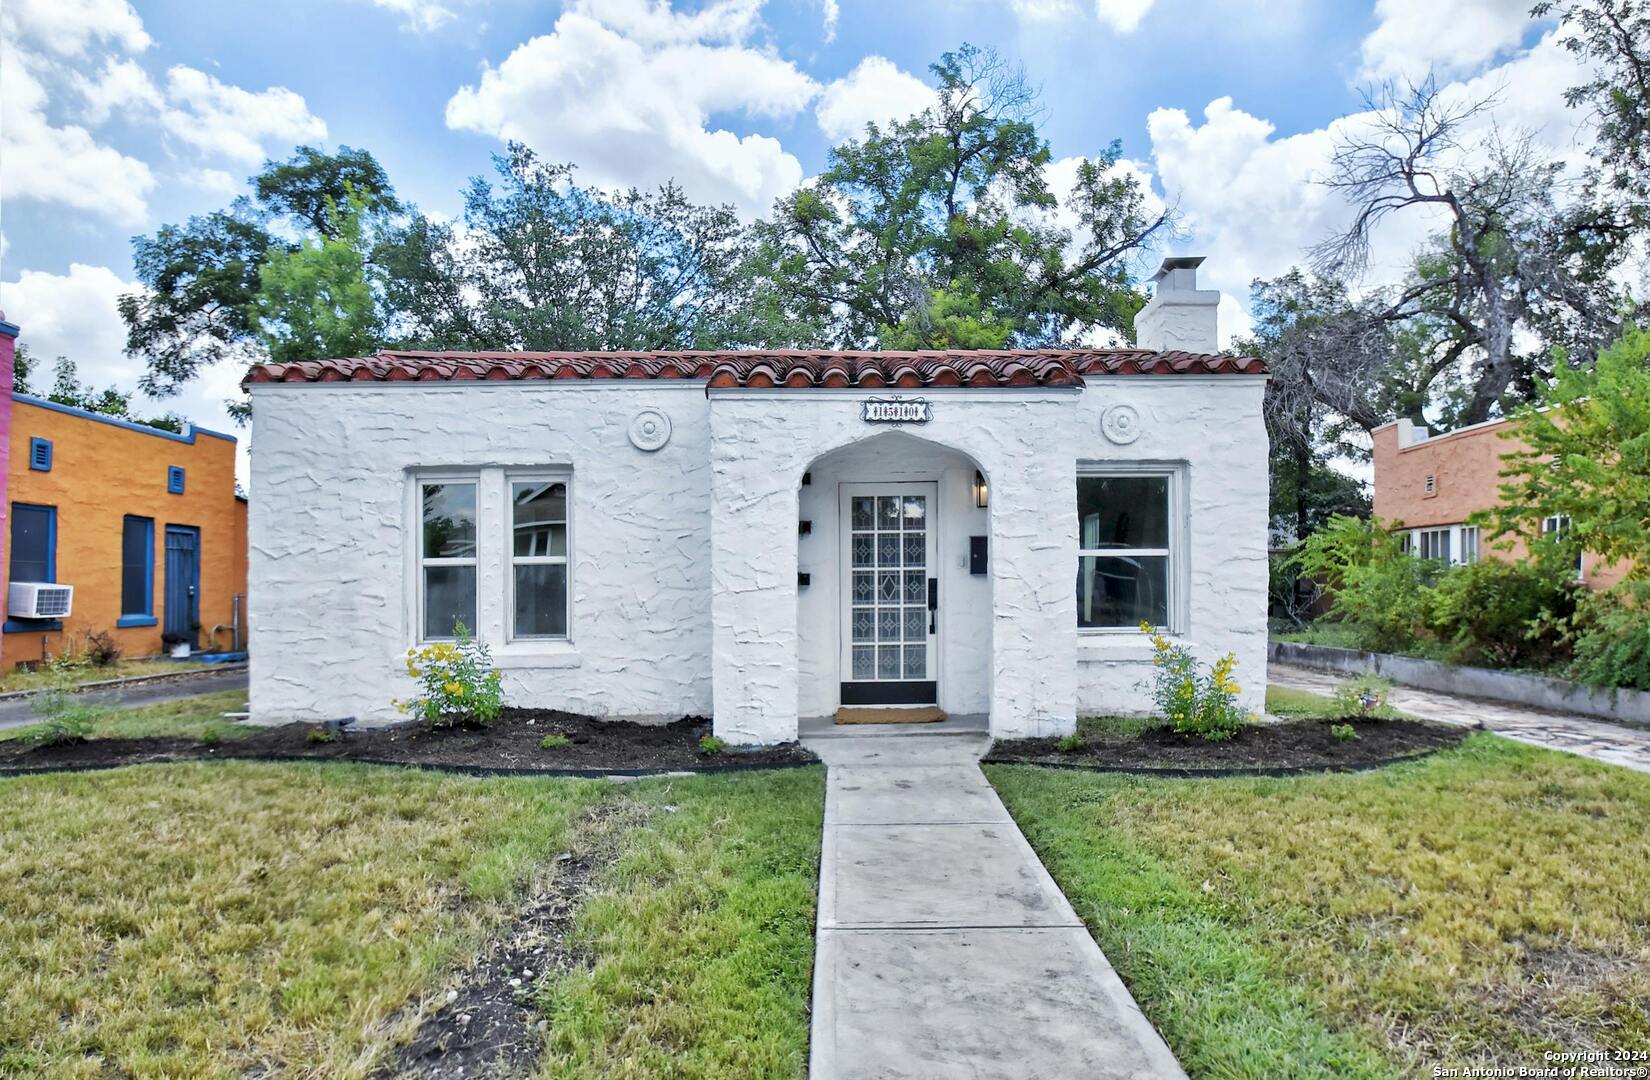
1617, 744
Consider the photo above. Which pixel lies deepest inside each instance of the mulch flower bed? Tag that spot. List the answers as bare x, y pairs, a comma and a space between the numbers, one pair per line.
510, 744
1295, 746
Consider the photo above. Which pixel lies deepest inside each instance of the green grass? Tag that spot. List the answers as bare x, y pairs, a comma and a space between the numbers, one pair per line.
18, 679
702, 934
1480, 906
215, 919
199, 717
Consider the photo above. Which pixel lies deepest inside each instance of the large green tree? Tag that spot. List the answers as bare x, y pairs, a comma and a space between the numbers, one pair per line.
316, 300
1586, 458
201, 279
943, 230
543, 263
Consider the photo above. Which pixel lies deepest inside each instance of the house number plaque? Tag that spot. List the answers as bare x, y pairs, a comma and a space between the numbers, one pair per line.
896, 411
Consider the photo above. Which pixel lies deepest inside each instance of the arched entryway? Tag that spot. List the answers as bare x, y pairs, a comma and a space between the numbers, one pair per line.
896, 609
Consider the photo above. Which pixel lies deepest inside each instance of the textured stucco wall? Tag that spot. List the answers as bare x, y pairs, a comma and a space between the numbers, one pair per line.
1214, 427
331, 548
685, 560
762, 442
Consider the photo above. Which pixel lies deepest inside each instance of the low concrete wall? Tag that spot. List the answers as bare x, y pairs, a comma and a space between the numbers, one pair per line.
1514, 688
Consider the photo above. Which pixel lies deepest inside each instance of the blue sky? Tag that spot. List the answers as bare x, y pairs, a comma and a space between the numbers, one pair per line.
120, 117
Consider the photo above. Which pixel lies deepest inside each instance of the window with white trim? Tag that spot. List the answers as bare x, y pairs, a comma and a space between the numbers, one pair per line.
538, 557
1556, 526
1469, 544
1127, 536
446, 557
1434, 544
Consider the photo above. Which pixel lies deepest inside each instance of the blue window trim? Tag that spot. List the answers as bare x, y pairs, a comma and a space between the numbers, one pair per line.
146, 617
40, 454
35, 626
174, 479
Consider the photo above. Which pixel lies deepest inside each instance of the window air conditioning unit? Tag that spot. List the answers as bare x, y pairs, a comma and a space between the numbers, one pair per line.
38, 600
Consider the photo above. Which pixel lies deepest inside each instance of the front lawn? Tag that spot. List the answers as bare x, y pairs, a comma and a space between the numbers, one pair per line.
197, 717
224, 918
1477, 907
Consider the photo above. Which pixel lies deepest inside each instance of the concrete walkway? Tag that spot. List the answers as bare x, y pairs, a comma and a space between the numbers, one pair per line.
16, 712
944, 948
1617, 744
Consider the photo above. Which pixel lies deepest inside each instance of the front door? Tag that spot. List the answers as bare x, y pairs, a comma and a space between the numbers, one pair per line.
890, 596
183, 571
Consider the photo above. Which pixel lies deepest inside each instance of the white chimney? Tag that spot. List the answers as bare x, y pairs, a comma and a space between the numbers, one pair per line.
1179, 315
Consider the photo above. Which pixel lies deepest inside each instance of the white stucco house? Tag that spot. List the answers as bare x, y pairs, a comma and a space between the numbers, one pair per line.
764, 536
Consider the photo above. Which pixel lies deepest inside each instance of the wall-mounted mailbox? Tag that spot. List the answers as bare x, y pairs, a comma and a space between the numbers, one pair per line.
976, 554
802, 581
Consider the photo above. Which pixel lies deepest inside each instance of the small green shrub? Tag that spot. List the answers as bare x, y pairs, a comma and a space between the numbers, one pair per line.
1375, 585
711, 745
555, 741
1503, 613
1343, 732
1195, 703
456, 680
65, 717
1069, 744
1365, 697
322, 735
1610, 635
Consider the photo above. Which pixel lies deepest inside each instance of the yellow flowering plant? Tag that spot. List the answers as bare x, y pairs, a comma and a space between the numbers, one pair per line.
1195, 702
457, 682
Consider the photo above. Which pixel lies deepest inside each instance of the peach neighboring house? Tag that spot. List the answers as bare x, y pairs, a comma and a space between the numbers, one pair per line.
1431, 484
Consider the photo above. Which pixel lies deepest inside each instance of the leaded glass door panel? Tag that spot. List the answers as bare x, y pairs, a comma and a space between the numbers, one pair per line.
888, 626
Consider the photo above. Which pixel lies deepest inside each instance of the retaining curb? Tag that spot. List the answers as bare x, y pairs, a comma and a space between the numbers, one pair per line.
134, 680
1628, 707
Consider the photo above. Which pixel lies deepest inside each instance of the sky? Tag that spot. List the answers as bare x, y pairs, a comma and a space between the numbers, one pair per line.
116, 118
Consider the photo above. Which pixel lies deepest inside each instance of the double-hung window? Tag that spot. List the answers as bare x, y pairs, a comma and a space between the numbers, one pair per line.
1556, 526
538, 557
1469, 544
1127, 537
447, 557
1435, 544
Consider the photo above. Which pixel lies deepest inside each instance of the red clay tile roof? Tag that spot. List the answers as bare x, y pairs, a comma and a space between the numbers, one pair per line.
767, 368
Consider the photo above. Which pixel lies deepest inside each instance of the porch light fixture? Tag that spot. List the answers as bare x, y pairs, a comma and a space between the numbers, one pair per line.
982, 493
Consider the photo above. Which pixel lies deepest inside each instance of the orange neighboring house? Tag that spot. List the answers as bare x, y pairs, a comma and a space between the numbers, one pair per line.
1431, 484
144, 524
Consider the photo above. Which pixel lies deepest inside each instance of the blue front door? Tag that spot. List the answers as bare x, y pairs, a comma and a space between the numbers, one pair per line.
183, 576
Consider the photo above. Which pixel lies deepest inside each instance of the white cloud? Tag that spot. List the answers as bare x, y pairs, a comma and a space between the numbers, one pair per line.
215, 181
63, 165
72, 315
1043, 10
121, 85
67, 27
876, 91
218, 118
831, 14
1449, 37
420, 16
1122, 15
630, 94
1250, 201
